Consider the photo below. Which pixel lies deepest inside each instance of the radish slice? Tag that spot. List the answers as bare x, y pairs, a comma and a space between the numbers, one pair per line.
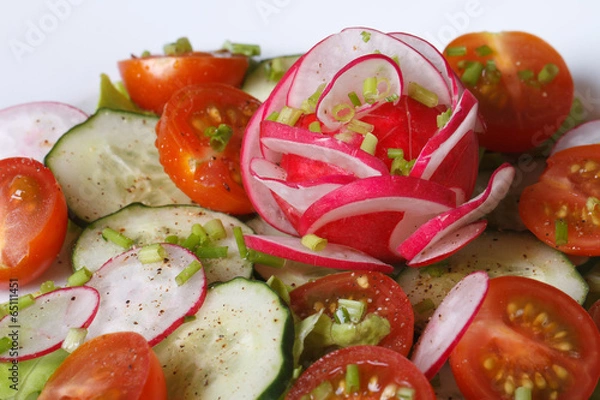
426, 244
332, 256
350, 79
584, 134
449, 323
43, 326
31, 129
145, 298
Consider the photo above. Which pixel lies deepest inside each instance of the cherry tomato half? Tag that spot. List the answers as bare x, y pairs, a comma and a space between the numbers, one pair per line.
528, 334
381, 295
563, 208
189, 145
34, 219
118, 366
381, 373
523, 85
151, 81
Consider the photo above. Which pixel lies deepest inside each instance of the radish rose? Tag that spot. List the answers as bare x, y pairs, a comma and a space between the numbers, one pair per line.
369, 142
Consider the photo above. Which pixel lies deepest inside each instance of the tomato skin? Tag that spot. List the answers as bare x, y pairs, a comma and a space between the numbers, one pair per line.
34, 219
595, 313
383, 296
528, 332
387, 365
209, 177
114, 366
519, 113
562, 193
151, 81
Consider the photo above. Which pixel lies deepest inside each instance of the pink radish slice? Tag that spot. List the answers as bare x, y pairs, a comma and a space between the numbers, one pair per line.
31, 129
449, 323
333, 256
444, 234
287, 139
325, 59
350, 79
584, 134
145, 298
43, 326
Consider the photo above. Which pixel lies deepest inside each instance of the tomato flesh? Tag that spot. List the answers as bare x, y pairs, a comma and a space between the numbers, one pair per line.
519, 110
530, 334
211, 177
113, 366
34, 222
568, 194
151, 81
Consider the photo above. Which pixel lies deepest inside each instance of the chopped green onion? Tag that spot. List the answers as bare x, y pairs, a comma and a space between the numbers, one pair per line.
356, 309
483, 50
525, 74
181, 46
391, 98
25, 301
424, 306
258, 257
433, 270
309, 105
370, 91
358, 126
472, 73
239, 240
322, 392
189, 318
79, 277
314, 242
314, 126
248, 50
548, 73
352, 379
491, 72
523, 393
274, 70
401, 166
341, 315
212, 252
343, 112
280, 288
3, 310
354, 99
152, 253
145, 53
215, 229
422, 95
369, 143
366, 36
188, 272
273, 116
172, 239
5, 344
47, 287
561, 231
289, 116
456, 51
394, 153
443, 118
75, 338
117, 238
406, 393
219, 136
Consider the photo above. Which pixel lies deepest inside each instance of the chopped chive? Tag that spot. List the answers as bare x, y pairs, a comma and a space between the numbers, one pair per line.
523, 393
25, 301
483, 50
191, 241
188, 272
355, 308
443, 118
289, 115
354, 99
248, 50
273, 116
401, 166
424, 306
366, 36
314, 242
352, 379
5, 344
152, 253
211, 252
343, 112
79, 277
239, 240
358, 126
472, 73
181, 46
314, 126
322, 392
369, 143
172, 239
309, 105
370, 91
422, 95
258, 257
117, 238
215, 229
561, 230
456, 51
395, 153
548, 73
525, 74
275, 70
219, 136
75, 338
280, 288
406, 393
47, 287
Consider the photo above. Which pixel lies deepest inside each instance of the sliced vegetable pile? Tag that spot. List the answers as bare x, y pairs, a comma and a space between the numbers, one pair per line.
188, 240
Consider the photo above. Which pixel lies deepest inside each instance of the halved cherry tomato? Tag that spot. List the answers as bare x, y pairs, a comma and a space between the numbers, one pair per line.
528, 333
523, 85
151, 81
563, 208
118, 366
595, 313
208, 175
34, 219
381, 295
382, 374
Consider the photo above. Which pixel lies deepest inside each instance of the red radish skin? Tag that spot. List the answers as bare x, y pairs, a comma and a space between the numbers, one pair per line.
584, 134
43, 326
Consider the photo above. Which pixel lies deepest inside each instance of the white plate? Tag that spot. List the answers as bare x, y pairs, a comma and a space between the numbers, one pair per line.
56, 49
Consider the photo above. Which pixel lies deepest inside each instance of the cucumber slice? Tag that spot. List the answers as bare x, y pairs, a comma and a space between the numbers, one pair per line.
147, 225
264, 77
110, 161
497, 253
239, 346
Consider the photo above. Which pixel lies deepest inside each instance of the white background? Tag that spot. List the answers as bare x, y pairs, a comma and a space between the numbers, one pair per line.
56, 49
